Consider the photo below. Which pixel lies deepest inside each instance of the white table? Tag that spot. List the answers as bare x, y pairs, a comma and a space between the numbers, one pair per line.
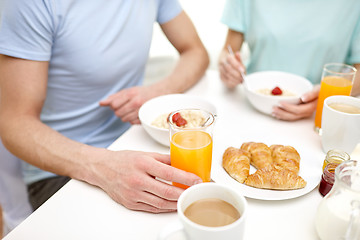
81, 211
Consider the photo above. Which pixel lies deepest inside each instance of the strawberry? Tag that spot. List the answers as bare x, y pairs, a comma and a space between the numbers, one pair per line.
179, 120
175, 117
276, 91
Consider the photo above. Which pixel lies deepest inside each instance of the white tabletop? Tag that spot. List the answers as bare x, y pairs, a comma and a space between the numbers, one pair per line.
82, 211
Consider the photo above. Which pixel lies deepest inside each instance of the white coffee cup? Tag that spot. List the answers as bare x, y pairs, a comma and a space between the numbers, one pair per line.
340, 130
194, 231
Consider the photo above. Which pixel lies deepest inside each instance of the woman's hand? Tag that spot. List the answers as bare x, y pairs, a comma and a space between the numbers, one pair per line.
231, 66
305, 108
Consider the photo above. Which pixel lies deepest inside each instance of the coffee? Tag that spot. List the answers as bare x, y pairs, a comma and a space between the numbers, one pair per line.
212, 212
346, 108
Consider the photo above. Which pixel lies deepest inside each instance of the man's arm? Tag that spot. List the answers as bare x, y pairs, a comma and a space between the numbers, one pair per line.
189, 69
23, 91
193, 60
128, 177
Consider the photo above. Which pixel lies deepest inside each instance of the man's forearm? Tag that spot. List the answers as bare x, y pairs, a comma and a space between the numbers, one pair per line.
41, 146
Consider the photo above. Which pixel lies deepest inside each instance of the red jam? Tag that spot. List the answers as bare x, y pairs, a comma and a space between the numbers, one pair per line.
327, 179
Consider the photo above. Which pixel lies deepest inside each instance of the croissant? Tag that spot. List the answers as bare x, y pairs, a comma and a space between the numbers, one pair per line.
275, 177
260, 154
286, 156
236, 162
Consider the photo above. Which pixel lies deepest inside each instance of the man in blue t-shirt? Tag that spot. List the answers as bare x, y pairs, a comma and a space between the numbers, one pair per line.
71, 83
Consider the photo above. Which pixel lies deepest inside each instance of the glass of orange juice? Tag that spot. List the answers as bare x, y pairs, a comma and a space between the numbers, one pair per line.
337, 79
191, 142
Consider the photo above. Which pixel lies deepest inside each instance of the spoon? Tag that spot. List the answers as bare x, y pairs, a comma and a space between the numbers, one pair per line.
204, 124
241, 72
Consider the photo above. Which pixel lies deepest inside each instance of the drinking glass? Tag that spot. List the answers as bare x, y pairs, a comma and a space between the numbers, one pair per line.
191, 145
337, 79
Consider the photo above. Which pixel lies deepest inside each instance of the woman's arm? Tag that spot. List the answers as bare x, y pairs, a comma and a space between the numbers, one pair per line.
231, 66
292, 112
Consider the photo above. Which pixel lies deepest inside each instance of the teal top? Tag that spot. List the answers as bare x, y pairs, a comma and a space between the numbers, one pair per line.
297, 36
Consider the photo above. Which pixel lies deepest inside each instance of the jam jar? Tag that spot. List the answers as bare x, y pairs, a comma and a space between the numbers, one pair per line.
335, 156
327, 178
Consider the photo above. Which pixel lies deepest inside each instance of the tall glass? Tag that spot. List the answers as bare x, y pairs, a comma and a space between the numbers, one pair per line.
191, 144
337, 79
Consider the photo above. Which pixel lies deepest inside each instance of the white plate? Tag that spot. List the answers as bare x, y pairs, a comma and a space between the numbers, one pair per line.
309, 171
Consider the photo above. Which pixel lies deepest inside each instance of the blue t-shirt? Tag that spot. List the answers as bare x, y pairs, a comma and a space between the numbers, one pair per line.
297, 36
94, 47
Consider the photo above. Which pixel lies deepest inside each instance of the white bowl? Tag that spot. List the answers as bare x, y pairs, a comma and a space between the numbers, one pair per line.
270, 79
155, 107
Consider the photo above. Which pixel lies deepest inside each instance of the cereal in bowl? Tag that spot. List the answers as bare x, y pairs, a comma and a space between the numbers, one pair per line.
275, 92
186, 119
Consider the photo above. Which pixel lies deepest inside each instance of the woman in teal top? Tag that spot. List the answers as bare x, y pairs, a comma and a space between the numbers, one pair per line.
291, 36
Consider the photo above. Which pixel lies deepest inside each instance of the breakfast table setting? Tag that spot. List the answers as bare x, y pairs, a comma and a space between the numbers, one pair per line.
82, 211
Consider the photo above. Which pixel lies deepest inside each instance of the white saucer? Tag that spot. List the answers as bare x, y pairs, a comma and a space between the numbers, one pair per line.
172, 231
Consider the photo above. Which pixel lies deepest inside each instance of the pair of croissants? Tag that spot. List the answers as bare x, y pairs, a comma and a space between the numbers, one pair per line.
277, 166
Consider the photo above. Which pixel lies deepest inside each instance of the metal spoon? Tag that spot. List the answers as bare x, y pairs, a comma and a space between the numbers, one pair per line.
242, 74
204, 124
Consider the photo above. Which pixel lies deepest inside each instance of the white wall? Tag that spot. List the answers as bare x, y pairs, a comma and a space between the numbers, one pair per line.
205, 15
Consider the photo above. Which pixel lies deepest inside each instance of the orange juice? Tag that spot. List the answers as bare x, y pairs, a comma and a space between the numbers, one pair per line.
331, 85
191, 151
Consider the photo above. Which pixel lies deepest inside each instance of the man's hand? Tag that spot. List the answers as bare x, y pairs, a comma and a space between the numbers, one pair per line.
126, 103
131, 178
